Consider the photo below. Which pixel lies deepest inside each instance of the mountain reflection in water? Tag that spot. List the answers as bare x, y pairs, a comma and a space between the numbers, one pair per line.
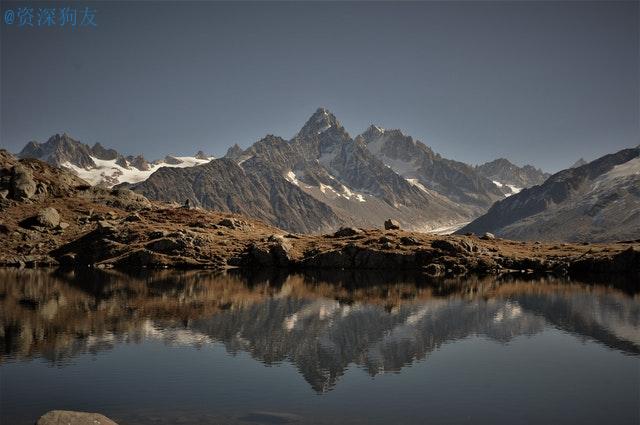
322, 324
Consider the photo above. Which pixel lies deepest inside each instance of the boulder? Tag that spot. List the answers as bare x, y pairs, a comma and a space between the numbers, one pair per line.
231, 223
446, 245
409, 240
48, 217
391, 225
166, 245
67, 417
22, 185
347, 231
434, 269
488, 236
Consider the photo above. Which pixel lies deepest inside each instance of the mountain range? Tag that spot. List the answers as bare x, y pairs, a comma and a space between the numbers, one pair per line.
99, 165
320, 179
597, 201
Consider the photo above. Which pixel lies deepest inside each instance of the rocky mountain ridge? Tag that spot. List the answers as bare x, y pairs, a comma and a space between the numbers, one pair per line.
99, 165
357, 180
319, 180
597, 201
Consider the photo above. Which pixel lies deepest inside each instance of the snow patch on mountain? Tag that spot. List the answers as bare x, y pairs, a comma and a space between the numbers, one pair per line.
109, 173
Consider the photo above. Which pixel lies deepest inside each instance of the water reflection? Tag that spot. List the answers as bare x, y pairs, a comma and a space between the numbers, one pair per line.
320, 323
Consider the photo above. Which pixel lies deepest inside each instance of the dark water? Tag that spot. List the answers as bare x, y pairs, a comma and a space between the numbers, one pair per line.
200, 348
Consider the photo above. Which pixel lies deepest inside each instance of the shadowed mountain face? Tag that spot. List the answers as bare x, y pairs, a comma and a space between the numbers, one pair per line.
320, 324
598, 201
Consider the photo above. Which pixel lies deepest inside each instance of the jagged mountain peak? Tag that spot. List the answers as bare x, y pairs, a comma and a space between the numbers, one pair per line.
321, 121
234, 152
372, 132
201, 155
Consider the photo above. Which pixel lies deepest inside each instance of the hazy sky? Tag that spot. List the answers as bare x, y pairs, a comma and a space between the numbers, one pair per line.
537, 82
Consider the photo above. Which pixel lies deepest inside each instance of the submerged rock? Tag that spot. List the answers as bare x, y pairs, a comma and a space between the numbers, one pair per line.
67, 417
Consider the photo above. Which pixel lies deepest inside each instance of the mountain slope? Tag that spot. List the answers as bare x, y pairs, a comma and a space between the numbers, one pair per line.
598, 201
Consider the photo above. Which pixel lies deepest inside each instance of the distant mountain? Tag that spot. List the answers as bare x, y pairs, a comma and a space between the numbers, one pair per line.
427, 170
511, 178
320, 179
99, 165
579, 163
598, 201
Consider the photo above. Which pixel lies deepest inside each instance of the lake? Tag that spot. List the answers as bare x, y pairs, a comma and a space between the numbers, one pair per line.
352, 348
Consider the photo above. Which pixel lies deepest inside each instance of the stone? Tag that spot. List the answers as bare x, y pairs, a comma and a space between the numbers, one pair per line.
158, 234
133, 217
409, 240
22, 185
434, 269
459, 269
63, 225
67, 417
166, 245
48, 217
346, 232
488, 236
445, 245
231, 223
391, 224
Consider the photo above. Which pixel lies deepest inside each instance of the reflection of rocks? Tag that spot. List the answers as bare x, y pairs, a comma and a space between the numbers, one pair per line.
321, 324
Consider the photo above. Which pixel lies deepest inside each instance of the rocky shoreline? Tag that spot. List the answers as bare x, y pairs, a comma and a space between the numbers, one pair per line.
50, 217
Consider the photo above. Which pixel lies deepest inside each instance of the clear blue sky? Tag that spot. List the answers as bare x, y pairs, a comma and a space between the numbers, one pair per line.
537, 82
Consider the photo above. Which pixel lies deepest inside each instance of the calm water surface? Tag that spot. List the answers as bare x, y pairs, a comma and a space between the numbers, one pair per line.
201, 348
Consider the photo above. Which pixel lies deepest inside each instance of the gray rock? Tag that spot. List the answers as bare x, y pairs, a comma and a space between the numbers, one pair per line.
488, 236
67, 417
48, 217
391, 224
22, 186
